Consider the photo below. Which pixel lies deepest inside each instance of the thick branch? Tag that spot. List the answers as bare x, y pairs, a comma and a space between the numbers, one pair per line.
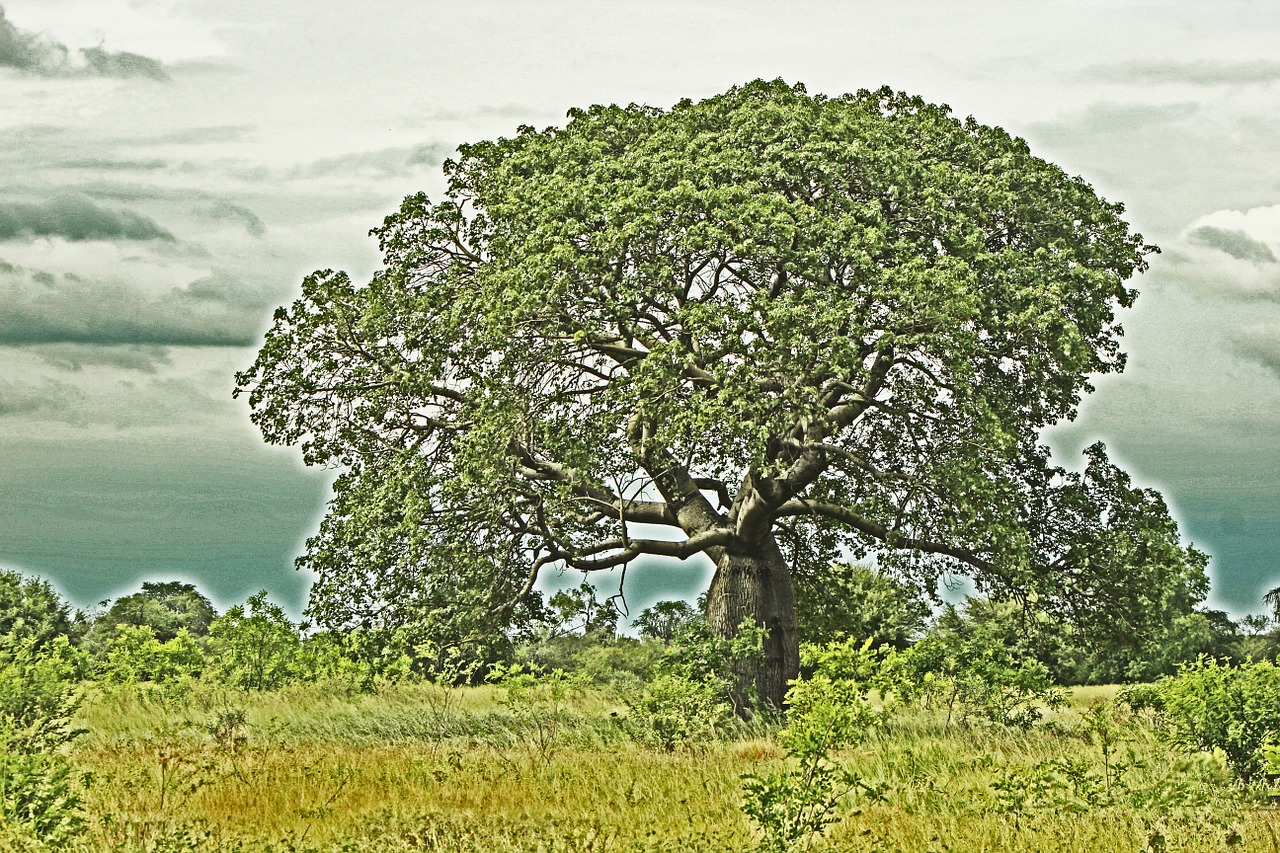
892, 538
643, 512
627, 550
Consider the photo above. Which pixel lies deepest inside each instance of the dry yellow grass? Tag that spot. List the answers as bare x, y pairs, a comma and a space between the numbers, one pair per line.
419, 768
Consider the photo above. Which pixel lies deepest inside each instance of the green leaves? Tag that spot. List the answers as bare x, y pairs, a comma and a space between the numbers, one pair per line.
839, 320
1236, 709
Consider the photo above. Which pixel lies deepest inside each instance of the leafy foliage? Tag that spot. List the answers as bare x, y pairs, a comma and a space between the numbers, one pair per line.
675, 711
1212, 706
136, 654
828, 710
665, 620
38, 696
256, 646
976, 675
31, 609
165, 607
856, 601
775, 322
692, 693
580, 610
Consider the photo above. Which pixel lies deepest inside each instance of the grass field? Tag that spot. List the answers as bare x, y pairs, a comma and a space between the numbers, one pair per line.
419, 767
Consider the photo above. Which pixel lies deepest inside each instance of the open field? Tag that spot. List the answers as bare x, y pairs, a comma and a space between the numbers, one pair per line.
419, 767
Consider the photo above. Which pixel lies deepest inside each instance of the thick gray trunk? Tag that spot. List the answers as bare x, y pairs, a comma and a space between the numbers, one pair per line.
754, 584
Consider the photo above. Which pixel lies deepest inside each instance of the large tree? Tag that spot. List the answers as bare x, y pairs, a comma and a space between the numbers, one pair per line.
776, 326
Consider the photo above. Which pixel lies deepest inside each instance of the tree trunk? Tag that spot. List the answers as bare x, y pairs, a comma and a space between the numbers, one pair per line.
754, 584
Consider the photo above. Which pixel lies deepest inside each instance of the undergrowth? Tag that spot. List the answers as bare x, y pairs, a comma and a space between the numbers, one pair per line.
524, 764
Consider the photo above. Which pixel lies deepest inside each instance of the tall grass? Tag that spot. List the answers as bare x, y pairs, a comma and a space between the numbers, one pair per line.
420, 767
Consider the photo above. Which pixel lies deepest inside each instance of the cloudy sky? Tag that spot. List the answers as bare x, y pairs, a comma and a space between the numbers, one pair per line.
170, 169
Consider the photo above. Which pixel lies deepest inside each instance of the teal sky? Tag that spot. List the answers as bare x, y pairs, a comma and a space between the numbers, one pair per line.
170, 169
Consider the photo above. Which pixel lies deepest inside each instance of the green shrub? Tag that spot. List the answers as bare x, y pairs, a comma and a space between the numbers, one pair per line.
38, 697
256, 646
1211, 706
674, 711
974, 674
826, 711
135, 654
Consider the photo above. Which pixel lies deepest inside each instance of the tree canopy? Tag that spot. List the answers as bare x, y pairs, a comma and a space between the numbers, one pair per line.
768, 326
166, 607
31, 610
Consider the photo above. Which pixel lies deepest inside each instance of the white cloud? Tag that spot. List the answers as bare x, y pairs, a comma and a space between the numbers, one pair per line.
1228, 253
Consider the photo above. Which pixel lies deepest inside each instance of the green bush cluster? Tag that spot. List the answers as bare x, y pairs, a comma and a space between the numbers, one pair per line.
1234, 710
39, 797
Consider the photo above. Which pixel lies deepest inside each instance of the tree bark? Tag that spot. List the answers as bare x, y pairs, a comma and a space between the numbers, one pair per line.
753, 583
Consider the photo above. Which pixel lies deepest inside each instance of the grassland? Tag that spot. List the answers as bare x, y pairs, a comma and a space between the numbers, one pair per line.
420, 767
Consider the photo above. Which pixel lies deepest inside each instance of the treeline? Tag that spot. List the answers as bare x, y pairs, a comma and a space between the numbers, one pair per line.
168, 632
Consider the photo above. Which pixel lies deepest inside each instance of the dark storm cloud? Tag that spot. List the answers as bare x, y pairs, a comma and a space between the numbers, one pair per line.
1235, 243
75, 217
123, 64
27, 51
1109, 119
1259, 345
75, 357
226, 211
217, 310
104, 164
1204, 72
386, 163
44, 398
36, 54
203, 135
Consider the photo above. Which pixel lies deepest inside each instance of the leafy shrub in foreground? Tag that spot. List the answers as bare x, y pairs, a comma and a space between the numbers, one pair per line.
827, 711
675, 711
38, 697
972, 672
1209, 705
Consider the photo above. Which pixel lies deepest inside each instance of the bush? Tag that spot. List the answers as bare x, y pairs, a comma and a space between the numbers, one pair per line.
256, 646
37, 700
1211, 706
974, 673
135, 654
827, 711
605, 661
675, 711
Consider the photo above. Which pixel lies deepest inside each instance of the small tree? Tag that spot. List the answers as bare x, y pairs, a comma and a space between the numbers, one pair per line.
255, 645
664, 620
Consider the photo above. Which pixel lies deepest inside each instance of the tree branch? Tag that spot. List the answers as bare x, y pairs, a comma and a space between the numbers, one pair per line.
884, 534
